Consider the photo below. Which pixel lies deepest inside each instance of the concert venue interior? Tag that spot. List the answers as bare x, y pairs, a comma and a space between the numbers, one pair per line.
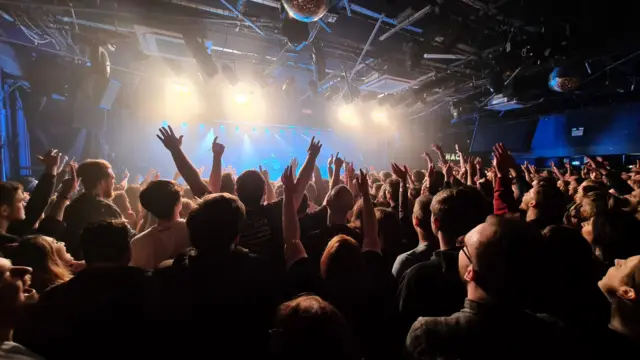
319, 179
383, 79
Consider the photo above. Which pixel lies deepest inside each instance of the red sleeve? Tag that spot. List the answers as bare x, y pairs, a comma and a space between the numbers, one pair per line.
503, 197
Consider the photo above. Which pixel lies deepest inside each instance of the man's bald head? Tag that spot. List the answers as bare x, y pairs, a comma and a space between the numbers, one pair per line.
503, 253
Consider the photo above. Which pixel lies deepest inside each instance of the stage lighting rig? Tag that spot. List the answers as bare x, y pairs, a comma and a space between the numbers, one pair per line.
200, 53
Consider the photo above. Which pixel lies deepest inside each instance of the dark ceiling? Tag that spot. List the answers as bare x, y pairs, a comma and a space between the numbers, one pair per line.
454, 55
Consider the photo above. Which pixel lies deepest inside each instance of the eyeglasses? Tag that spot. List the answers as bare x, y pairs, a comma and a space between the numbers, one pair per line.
466, 253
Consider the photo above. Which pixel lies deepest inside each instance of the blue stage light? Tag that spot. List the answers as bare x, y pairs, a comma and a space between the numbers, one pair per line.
221, 126
184, 124
254, 129
165, 123
266, 131
237, 128
201, 126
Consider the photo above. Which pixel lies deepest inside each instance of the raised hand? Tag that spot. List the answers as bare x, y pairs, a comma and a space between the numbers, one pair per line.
426, 156
288, 181
264, 172
504, 160
314, 147
553, 165
399, 172
363, 183
338, 161
351, 172
70, 184
330, 161
126, 174
217, 148
436, 147
156, 175
294, 164
169, 139
51, 159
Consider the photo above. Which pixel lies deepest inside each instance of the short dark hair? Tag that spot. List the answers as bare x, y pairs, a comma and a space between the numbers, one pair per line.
393, 189
160, 198
459, 210
422, 212
418, 176
550, 200
8, 192
106, 241
215, 223
91, 172
250, 187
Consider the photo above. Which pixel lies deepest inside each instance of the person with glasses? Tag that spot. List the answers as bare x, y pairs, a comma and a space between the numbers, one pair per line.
434, 288
497, 264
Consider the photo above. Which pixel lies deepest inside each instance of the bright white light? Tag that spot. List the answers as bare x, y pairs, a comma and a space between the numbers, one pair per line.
379, 116
180, 87
347, 113
241, 98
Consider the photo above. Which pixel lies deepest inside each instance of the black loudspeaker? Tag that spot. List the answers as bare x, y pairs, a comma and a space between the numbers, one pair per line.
94, 95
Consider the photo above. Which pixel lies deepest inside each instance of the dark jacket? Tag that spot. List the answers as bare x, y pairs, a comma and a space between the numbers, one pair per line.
489, 331
82, 211
100, 313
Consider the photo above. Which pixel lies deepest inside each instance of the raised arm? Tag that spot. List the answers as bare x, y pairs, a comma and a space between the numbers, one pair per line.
335, 178
215, 178
293, 249
306, 173
185, 167
371, 241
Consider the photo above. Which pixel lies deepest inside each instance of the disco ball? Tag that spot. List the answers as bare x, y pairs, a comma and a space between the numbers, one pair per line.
561, 81
306, 10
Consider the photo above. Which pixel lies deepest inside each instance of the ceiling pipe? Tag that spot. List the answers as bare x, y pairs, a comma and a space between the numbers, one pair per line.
364, 11
239, 14
366, 46
233, 13
404, 24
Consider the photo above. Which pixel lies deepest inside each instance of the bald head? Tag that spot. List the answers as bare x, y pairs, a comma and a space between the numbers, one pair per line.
502, 254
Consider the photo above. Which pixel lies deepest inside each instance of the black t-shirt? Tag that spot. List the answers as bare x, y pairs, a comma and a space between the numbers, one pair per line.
218, 304
262, 230
316, 242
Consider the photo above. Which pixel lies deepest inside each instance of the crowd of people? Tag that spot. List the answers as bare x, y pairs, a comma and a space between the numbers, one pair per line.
461, 260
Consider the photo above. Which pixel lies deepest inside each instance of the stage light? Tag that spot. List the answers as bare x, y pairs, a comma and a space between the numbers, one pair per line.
266, 131
221, 126
165, 123
184, 124
379, 116
180, 87
347, 113
241, 98
202, 127
254, 129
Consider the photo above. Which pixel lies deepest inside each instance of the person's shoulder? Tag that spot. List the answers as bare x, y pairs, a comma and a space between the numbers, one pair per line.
274, 204
143, 236
424, 335
13, 351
